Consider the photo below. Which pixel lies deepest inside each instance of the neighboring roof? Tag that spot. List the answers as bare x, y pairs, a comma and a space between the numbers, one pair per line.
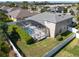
20, 13
8, 9
50, 16
57, 8
11, 9
4, 8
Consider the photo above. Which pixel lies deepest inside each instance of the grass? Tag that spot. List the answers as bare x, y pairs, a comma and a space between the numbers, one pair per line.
39, 48
35, 49
71, 50
24, 35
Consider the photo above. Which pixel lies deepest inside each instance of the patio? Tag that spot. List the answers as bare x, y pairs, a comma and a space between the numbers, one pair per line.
35, 30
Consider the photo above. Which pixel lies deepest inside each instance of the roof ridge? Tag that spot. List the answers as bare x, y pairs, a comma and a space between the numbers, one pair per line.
19, 10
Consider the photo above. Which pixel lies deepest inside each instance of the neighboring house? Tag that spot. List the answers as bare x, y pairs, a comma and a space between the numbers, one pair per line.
19, 14
74, 9
56, 9
8, 9
57, 23
5, 9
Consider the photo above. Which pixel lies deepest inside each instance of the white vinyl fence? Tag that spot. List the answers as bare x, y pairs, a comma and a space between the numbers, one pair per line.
77, 35
15, 50
74, 30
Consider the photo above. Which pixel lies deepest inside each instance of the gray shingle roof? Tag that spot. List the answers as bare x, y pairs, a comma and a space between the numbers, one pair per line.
8, 9
20, 13
4, 8
50, 16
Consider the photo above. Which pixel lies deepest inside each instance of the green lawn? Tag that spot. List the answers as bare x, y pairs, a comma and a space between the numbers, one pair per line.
24, 35
71, 50
38, 48
35, 49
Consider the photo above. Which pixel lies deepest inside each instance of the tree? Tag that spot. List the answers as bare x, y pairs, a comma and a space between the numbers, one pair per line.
59, 37
34, 8
4, 27
4, 17
12, 4
24, 5
65, 10
4, 47
72, 12
14, 35
44, 9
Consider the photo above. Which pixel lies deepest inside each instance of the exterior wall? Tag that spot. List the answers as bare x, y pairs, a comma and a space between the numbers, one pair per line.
51, 27
61, 27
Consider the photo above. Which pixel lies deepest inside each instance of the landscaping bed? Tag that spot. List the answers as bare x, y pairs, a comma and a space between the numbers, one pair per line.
66, 34
63, 36
71, 50
34, 49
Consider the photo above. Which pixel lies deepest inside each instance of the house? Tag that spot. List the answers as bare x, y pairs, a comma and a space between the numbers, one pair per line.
5, 9
56, 9
56, 23
19, 14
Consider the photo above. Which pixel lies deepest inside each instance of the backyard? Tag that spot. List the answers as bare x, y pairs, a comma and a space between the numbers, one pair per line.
29, 48
71, 50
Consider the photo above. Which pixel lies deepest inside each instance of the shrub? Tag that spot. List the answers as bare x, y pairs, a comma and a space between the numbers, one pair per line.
65, 10
77, 27
59, 38
5, 48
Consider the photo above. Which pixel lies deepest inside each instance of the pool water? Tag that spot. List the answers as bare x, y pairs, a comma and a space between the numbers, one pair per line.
29, 30
35, 33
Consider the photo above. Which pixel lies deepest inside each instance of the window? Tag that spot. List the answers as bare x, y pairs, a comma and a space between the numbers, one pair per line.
60, 31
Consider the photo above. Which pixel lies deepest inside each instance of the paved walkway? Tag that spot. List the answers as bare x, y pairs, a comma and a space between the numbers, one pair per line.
52, 52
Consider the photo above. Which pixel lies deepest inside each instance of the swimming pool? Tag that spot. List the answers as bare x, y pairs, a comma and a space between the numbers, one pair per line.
35, 33
29, 30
